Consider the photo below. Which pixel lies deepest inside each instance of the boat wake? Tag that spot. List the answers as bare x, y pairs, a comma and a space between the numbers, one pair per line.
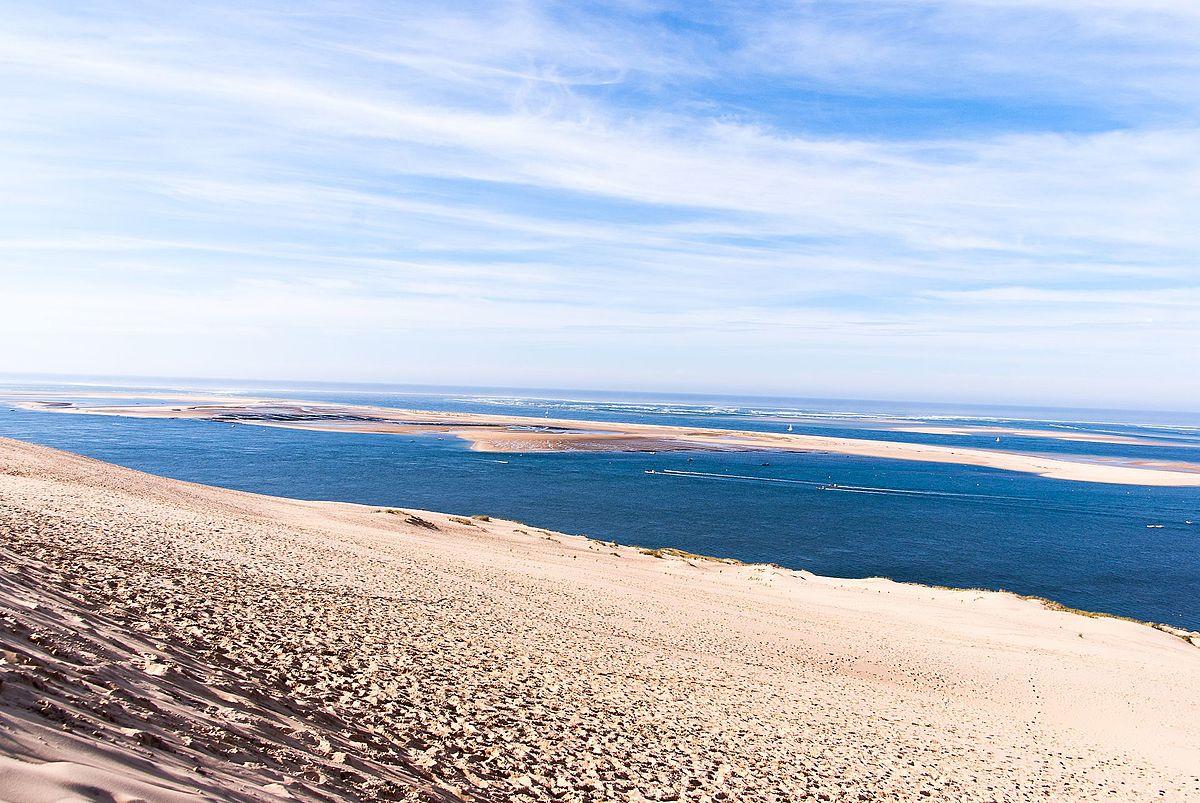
828, 486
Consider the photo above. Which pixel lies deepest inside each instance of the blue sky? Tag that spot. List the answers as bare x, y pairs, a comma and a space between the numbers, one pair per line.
987, 200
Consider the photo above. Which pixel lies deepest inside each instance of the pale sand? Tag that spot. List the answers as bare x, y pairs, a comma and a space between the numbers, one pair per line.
503, 433
161, 395
1055, 434
163, 640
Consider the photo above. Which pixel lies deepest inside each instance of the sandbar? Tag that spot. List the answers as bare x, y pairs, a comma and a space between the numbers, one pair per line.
515, 434
1056, 434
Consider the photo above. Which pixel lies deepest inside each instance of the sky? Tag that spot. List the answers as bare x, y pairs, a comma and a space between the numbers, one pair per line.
947, 200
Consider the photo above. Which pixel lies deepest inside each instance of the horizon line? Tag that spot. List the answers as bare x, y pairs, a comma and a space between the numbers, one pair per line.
737, 395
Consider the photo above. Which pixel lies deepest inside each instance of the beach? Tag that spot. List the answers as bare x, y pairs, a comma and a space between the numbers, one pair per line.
1034, 432
517, 434
164, 640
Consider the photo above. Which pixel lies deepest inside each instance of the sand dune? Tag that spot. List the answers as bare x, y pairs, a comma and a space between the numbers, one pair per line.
168, 641
506, 433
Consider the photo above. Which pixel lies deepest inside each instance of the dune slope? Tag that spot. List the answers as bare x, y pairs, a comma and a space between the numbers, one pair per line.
168, 641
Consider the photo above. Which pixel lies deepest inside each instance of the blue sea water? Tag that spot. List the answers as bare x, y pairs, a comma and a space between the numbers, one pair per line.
1090, 545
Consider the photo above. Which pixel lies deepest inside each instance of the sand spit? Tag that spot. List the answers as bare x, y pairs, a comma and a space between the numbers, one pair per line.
175, 397
503, 433
169, 641
1055, 434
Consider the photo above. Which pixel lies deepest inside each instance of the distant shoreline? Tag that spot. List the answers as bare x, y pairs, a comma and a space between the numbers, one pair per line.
514, 434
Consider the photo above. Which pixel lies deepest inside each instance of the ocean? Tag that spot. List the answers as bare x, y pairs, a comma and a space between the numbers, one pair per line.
1121, 549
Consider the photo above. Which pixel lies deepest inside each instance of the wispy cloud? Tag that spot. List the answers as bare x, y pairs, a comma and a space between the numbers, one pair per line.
1186, 297
545, 172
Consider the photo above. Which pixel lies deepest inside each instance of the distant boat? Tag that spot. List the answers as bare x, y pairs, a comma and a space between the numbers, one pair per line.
789, 427
997, 439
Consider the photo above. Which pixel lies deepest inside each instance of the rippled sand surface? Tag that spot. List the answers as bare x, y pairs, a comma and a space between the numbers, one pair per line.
168, 641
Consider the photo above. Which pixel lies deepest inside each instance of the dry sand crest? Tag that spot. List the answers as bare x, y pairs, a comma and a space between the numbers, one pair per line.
164, 641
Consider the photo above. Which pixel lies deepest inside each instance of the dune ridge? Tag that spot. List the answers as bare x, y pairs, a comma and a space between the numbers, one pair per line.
170, 641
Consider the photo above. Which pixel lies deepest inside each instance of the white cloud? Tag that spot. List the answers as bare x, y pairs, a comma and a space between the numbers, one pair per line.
531, 171
1188, 297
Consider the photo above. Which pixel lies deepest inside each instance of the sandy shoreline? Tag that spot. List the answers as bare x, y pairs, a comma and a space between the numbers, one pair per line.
503, 433
1054, 434
165, 640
